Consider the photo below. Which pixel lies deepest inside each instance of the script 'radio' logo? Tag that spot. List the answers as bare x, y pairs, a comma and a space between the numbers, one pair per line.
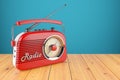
28, 57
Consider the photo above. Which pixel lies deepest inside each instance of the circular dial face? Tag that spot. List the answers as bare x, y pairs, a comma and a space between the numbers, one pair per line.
53, 47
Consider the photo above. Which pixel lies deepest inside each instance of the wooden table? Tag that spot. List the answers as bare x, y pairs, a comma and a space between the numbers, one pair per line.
76, 67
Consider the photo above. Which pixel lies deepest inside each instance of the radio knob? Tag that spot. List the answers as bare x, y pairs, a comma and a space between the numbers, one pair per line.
35, 29
52, 28
43, 29
53, 47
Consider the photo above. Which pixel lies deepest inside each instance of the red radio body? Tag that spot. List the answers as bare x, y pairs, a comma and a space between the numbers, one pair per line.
38, 48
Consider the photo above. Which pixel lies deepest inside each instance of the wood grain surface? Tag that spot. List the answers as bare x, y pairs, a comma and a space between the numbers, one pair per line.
76, 67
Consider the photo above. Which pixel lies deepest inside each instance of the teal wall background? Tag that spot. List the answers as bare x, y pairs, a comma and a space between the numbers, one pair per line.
92, 26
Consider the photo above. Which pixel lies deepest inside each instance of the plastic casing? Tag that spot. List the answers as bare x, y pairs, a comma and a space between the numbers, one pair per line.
32, 42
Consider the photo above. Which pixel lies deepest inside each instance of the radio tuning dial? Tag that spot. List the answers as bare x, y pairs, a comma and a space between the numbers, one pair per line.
53, 47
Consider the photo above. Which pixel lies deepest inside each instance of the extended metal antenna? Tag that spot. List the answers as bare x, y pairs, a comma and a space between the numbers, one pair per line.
53, 12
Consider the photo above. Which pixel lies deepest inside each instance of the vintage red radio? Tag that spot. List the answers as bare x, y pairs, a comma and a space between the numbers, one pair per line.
39, 47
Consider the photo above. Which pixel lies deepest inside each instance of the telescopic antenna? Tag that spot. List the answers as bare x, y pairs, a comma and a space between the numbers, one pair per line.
53, 12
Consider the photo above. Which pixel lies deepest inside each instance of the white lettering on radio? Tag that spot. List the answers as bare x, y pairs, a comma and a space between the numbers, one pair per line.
27, 56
